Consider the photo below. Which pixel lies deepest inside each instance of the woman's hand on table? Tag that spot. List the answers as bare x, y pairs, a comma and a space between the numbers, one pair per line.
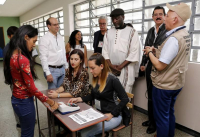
52, 94
54, 105
109, 115
75, 100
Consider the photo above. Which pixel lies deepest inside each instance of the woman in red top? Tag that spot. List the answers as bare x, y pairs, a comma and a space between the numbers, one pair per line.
19, 72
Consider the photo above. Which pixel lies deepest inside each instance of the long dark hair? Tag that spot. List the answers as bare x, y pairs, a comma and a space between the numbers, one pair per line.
72, 40
99, 59
18, 42
81, 55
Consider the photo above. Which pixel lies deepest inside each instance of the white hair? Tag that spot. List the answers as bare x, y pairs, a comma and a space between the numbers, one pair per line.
103, 17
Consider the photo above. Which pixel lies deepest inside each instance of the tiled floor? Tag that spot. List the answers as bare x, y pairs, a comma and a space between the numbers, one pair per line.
8, 125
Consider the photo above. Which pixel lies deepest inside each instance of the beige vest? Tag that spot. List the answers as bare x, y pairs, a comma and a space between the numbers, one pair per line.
173, 76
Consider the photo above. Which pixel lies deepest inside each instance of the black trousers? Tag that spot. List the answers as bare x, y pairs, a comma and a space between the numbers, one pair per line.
149, 91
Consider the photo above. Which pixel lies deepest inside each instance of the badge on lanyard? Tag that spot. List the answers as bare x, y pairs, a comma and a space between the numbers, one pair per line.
100, 44
97, 104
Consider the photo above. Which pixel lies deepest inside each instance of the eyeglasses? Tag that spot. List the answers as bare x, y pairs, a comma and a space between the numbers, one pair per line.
159, 14
102, 24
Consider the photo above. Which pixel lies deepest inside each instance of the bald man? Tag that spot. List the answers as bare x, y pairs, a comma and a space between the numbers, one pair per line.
52, 54
170, 63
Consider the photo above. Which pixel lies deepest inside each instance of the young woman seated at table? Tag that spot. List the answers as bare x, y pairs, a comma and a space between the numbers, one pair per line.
76, 81
19, 72
105, 87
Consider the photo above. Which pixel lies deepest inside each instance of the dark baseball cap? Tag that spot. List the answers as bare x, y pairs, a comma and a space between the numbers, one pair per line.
117, 12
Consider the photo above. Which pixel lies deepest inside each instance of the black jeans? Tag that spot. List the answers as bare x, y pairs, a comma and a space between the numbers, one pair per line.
149, 91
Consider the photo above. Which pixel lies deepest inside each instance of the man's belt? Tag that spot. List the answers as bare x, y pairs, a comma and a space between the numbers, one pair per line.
55, 66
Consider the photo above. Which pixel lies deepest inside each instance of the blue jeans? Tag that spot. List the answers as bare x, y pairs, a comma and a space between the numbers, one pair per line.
25, 110
163, 108
58, 77
97, 129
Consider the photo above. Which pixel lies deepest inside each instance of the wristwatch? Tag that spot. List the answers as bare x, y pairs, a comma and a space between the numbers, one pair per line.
58, 95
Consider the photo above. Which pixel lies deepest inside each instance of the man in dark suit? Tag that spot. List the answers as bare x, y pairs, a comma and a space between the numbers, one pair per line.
99, 35
155, 37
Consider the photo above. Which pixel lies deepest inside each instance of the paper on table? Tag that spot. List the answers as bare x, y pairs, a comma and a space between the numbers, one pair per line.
86, 116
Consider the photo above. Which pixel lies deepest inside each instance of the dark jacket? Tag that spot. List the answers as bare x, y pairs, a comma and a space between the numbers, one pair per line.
150, 40
96, 42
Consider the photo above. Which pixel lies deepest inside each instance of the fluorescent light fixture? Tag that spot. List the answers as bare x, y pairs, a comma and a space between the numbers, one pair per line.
2, 2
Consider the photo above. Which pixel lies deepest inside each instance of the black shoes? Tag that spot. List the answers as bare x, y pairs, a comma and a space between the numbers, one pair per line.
146, 123
151, 129
18, 126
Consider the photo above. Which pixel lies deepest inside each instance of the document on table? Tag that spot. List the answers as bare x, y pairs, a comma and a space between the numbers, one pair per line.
86, 116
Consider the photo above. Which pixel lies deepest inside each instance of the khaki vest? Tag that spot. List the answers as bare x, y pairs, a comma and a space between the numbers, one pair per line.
173, 76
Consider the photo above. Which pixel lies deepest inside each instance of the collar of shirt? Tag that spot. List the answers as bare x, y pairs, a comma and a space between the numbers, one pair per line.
155, 32
50, 34
122, 27
172, 31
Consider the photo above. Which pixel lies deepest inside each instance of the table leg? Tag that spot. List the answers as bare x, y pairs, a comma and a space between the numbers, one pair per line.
103, 129
53, 123
49, 121
73, 134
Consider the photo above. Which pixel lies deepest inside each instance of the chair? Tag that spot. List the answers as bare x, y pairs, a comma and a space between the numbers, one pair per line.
130, 105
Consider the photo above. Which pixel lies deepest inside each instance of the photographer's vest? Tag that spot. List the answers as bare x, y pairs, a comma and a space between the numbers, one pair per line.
173, 76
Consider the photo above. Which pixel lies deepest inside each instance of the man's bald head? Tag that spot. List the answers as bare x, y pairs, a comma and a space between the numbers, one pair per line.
53, 25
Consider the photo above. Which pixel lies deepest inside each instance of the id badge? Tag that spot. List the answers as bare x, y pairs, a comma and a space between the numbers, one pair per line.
100, 44
97, 104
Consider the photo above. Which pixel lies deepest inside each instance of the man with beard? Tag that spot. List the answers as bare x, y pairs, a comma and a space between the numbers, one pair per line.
155, 37
122, 50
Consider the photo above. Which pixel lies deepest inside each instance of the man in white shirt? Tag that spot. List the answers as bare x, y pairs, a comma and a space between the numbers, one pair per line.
52, 54
122, 50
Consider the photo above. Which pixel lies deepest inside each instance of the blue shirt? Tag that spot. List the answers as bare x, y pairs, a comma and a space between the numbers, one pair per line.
5, 50
170, 49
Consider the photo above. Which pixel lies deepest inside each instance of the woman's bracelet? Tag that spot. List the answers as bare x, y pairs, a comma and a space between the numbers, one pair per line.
53, 104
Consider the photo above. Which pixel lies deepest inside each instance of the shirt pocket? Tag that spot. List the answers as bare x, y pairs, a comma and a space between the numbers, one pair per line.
123, 45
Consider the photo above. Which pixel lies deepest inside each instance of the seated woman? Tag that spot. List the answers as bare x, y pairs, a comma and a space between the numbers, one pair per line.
76, 42
76, 81
19, 72
105, 87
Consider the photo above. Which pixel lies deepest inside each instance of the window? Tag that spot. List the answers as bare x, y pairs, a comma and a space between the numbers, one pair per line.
40, 23
138, 13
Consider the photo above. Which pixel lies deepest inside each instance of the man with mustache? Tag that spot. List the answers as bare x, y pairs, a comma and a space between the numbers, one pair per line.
99, 35
155, 37
122, 50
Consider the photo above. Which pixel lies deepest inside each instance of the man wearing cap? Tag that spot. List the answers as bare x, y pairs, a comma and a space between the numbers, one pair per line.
170, 64
122, 50
155, 37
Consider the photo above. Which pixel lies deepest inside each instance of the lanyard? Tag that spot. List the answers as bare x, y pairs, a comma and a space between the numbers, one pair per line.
177, 30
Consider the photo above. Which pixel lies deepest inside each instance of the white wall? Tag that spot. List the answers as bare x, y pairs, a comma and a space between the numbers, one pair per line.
187, 107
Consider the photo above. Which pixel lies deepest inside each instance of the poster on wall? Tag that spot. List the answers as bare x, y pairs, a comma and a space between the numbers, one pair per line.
2, 42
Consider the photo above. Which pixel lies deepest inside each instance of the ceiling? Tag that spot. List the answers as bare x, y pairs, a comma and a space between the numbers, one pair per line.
15, 8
